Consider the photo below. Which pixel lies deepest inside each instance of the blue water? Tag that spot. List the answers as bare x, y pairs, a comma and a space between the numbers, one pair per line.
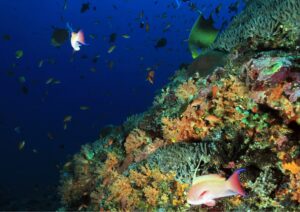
111, 94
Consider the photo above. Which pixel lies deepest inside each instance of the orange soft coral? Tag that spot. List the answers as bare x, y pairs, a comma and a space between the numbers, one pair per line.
295, 186
189, 126
122, 192
293, 167
135, 139
139, 179
151, 195
186, 90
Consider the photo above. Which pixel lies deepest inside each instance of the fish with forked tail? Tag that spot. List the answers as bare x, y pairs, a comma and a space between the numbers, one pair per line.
205, 189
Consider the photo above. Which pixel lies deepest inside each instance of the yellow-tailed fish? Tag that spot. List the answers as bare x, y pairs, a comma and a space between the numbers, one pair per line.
207, 188
111, 49
21, 145
67, 118
19, 54
84, 108
126, 36
41, 62
49, 81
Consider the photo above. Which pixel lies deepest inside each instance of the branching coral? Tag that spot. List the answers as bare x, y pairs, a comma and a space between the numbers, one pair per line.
134, 140
186, 91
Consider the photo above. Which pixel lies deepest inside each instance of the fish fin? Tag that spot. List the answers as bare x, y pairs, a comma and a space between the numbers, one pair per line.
235, 184
210, 203
209, 177
80, 37
69, 27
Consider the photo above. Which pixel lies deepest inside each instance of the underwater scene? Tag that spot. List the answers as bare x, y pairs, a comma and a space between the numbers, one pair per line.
153, 105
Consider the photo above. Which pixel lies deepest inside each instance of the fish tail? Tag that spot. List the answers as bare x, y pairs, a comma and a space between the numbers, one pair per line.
81, 37
235, 184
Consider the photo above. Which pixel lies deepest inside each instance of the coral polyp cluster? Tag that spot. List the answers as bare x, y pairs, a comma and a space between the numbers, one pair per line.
243, 114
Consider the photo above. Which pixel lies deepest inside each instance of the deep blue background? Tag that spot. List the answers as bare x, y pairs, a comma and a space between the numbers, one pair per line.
112, 95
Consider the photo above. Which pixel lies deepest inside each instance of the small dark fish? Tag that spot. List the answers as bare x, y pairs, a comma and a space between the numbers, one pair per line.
112, 37
161, 43
61, 146
24, 90
115, 6
142, 24
84, 56
65, 4
6, 37
218, 9
85, 7
50, 136
10, 73
193, 6
59, 36
233, 8
111, 64
95, 59
17, 130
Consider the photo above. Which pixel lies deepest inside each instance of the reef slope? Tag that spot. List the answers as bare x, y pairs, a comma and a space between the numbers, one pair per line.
244, 114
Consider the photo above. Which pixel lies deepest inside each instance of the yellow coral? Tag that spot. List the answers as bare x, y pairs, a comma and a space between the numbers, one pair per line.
151, 195
189, 126
236, 200
186, 90
164, 199
134, 140
111, 161
139, 179
122, 192
181, 188
295, 186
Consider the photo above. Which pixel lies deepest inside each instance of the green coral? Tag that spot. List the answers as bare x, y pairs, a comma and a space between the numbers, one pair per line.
188, 156
263, 27
262, 190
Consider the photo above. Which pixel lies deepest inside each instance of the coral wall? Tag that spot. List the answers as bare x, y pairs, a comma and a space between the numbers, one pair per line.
244, 114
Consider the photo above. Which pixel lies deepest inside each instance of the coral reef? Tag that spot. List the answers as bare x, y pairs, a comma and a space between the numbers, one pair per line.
243, 114
262, 27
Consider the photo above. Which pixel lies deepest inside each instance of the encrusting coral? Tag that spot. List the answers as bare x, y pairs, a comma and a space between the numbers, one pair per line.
244, 114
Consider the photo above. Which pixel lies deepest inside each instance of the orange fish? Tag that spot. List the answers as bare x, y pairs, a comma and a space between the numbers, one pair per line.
214, 90
205, 189
150, 76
